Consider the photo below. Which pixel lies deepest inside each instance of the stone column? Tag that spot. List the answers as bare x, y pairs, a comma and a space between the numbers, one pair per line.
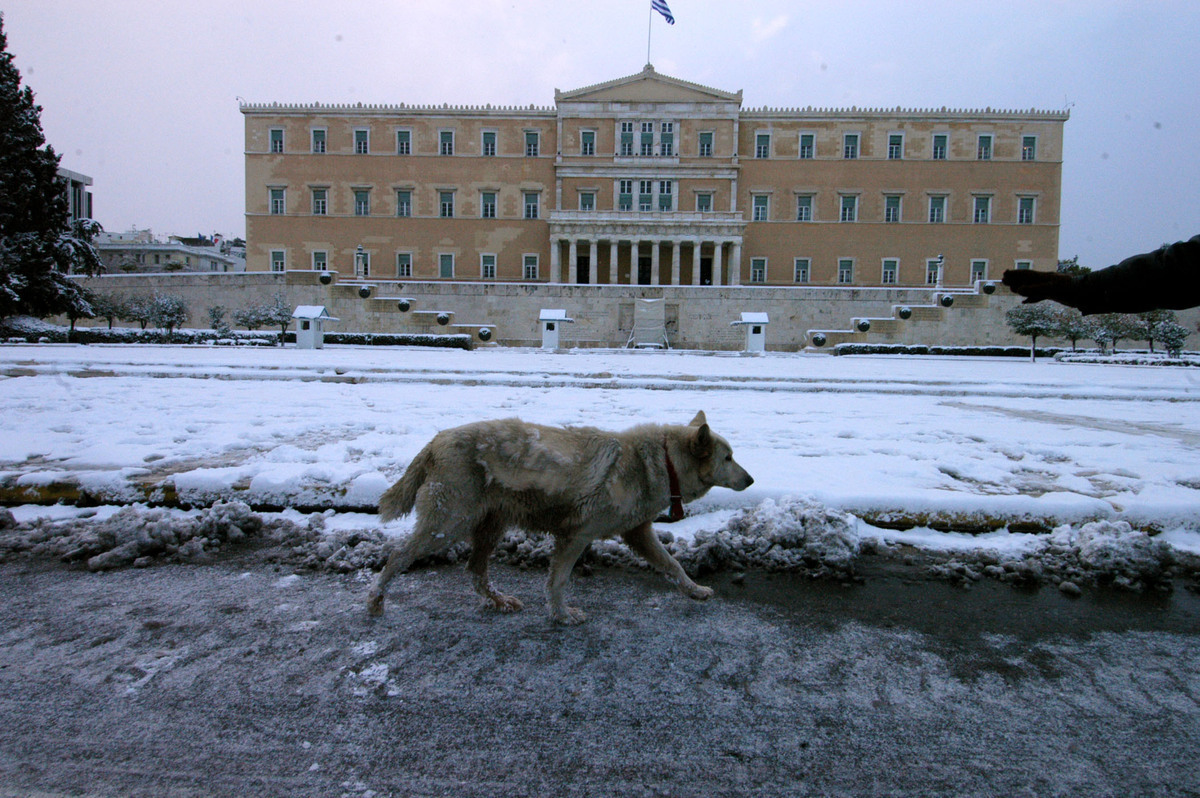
696, 247
555, 266
655, 279
634, 246
675, 247
572, 262
613, 272
735, 264
718, 245
594, 263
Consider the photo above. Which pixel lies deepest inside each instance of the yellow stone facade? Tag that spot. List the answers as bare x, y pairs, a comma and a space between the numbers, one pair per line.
652, 180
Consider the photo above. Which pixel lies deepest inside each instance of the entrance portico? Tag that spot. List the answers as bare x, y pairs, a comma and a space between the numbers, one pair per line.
700, 249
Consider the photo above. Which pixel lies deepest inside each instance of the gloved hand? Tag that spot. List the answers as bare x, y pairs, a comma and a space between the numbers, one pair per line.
1036, 286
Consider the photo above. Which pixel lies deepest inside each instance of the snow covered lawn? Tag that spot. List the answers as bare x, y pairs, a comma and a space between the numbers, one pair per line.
941, 442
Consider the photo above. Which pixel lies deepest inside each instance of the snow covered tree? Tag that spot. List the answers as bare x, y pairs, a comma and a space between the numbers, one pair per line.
216, 319
1113, 328
279, 311
107, 306
1147, 324
1173, 335
39, 245
168, 312
1070, 324
1032, 320
250, 317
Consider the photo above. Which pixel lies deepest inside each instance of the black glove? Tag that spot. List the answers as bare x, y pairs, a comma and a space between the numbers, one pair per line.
1036, 286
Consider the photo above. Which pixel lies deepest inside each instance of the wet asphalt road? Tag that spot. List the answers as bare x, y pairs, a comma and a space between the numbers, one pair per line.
239, 679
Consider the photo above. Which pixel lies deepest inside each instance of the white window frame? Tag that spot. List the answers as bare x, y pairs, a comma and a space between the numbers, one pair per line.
584, 203
278, 260
532, 209
362, 207
277, 206
404, 207
446, 207
895, 152
1022, 216
984, 147
978, 273
529, 266
404, 146
1029, 153
888, 216
362, 143
446, 141
937, 210
936, 154
851, 146
443, 259
533, 149
889, 271
848, 202
489, 149
701, 198
762, 149
932, 266
275, 143
758, 270
981, 209
808, 153
704, 149
761, 205
320, 204
318, 146
485, 266
845, 271
488, 210
404, 264
320, 263
587, 142
801, 270
804, 207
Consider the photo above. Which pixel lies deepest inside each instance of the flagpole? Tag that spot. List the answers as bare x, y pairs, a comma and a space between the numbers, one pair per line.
649, 27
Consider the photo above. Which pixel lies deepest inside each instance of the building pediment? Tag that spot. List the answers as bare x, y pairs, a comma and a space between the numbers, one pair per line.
648, 86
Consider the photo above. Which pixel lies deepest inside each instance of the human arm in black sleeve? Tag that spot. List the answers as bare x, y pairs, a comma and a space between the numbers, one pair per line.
1167, 278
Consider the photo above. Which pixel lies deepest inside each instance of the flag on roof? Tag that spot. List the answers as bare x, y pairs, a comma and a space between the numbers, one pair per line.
661, 7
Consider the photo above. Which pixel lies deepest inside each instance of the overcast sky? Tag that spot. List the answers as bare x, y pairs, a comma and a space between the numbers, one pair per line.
142, 95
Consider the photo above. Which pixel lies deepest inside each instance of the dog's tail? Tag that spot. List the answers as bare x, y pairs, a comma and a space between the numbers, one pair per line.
399, 499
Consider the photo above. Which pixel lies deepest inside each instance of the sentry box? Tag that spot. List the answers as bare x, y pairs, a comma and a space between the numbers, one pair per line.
756, 330
552, 321
310, 326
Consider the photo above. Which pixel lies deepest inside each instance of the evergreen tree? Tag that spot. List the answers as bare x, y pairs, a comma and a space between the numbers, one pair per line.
39, 246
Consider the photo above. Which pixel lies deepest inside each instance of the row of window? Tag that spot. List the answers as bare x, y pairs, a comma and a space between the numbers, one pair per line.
660, 195
939, 150
404, 264
937, 208
656, 139
319, 141
888, 275
404, 203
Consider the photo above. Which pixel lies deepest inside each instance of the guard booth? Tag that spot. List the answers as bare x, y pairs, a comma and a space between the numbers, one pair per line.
552, 322
310, 326
756, 330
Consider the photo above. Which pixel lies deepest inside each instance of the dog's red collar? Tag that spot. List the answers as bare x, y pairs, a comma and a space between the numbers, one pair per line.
676, 513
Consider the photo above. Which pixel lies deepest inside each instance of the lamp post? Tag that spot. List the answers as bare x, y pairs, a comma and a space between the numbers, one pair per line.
941, 259
360, 262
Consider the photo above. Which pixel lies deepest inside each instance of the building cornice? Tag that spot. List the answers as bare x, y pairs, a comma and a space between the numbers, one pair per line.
854, 112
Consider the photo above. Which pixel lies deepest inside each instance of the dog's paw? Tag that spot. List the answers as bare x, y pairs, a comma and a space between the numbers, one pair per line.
503, 603
374, 605
700, 592
571, 616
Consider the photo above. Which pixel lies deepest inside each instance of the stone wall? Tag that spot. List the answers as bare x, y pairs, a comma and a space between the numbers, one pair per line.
696, 317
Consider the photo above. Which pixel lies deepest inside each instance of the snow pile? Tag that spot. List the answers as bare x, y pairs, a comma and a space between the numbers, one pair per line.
1107, 553
136, 535
793, 534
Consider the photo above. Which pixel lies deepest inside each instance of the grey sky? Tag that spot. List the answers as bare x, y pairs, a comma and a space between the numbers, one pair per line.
143, 94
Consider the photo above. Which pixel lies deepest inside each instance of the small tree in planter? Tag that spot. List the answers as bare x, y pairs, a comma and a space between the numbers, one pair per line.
216, 319
1071, 325
250, 317
109, 307
278, 311
169, 312
1117, 327
140, 309
1172, 335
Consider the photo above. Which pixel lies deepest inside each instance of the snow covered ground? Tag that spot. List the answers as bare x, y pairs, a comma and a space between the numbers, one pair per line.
932, 442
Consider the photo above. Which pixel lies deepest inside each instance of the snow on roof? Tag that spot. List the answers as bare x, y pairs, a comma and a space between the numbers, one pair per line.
312, 312
550, 314
752, 318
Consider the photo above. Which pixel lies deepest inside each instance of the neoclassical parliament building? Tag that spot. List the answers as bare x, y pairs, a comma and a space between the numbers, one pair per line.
650, 180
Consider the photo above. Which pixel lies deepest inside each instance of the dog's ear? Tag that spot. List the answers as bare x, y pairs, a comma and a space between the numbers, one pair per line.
701, 443
699, 420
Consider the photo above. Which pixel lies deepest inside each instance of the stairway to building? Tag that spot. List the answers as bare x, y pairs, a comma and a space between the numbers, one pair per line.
904, 325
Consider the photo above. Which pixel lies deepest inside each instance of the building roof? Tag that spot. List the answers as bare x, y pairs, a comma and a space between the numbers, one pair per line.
312, 312
753, 318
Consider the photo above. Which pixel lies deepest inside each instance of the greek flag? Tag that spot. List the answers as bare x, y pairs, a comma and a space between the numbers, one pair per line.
661, 7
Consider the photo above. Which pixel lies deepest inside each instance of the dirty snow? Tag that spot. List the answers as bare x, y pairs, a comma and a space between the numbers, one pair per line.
1066, 465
